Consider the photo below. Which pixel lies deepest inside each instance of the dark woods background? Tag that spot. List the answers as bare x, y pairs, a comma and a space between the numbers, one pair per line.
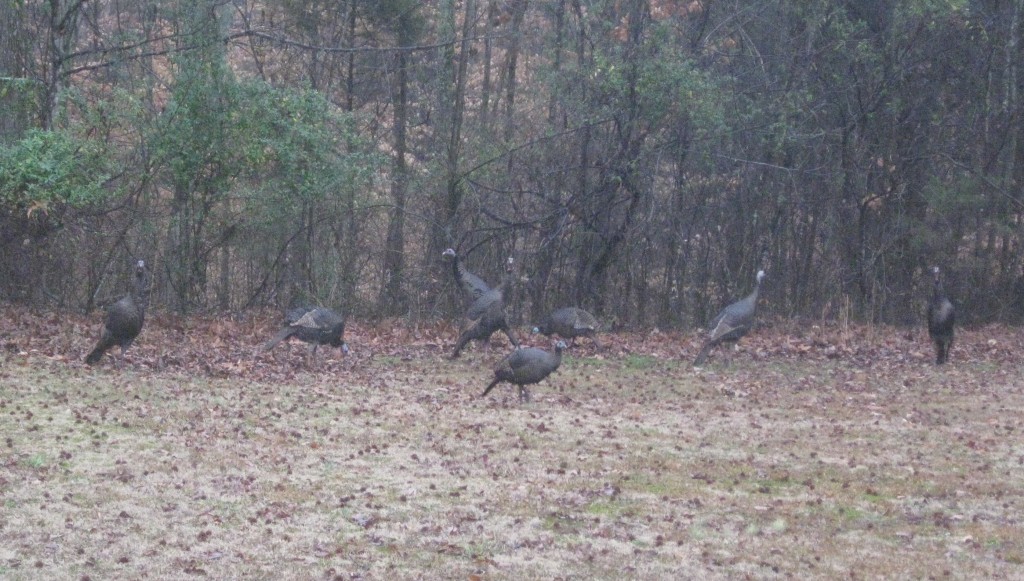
642, 159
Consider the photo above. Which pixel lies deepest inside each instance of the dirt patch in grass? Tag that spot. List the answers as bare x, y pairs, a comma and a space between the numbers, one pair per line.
796, 462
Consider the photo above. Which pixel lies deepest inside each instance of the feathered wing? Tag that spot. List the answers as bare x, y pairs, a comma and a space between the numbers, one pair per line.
732, 323
584, 324
721, 327
319, 325
944, 341
725, 327
487, 314
472, 285
112, 325
311, 319
583, 321
492, 301
524, 367
124, 319
496, 312
941, 321
570, 323
488, 302
941, 317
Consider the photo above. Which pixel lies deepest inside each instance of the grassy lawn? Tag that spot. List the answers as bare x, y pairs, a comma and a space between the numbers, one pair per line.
625, 465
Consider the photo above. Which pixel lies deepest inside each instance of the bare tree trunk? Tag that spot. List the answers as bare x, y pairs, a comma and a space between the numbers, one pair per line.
224, 290
15, 60
453, 179
453, 110
485, 91
178, 245
349, 238
350, 73
62, 35
1012, 180
393, 298
17, 103
519, 12
557, 63
620, 175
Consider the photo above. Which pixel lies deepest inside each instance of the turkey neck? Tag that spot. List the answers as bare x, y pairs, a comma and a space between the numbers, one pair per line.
506, 281
558, 356
141, 295
457, 269
752, 297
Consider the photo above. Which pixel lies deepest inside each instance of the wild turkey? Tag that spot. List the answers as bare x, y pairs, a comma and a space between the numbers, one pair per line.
487, 308
732, 323
315, 325
941, 318
569, 323
471, 284
526, 366
124, 318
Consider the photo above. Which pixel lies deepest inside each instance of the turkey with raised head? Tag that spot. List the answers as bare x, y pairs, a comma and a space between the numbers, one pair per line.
941, 318
472, 285
124, 318
314, 325
569, 323
732, 323
526, 366
486, 311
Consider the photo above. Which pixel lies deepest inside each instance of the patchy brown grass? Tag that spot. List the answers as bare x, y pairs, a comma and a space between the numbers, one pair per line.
810, 456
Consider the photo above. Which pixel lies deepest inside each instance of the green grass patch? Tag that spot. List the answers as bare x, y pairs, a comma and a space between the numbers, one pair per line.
636, 362
36, 461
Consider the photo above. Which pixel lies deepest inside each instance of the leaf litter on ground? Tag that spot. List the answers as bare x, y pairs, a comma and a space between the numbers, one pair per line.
815, 451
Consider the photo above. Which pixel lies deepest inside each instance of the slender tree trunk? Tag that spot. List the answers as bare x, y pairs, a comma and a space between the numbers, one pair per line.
620, 177
513, 59
15, 59
350, 72
63, 33
349, 238
583, 174
224, 290
453, 158
485, 90
557, 62
453, 109
393, 297
179, 230
1012, 179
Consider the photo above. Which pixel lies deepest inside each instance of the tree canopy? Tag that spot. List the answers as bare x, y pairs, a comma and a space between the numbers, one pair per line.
640, 158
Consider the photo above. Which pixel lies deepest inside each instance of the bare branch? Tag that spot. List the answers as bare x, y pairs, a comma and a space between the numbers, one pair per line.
346, 49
